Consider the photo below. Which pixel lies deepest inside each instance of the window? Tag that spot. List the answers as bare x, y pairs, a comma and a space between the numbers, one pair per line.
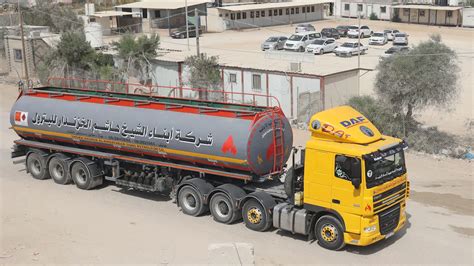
307, 9
287, 11
275, 12
262, 13
157, 14
280, 12
406, 12
383, 9
330, 41
347, 7
232, 16
297, 10
257, 14
303, 10
270, 13
450, 14
18, 55
244, 15
226, 15
292, 10
360, 7
238, 15
251, 14
347, 167
220, 15
233, 78
421, 13
144, 13
312, 8
305, 38
126, 9
256, 82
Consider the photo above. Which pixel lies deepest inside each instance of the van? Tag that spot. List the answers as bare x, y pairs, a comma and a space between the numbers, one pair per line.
298, 41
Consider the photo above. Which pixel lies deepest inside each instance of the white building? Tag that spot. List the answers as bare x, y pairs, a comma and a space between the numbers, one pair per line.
351, 8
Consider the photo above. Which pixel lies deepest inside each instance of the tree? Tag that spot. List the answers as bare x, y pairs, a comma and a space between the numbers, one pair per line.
137, 54
425, 77
205, 74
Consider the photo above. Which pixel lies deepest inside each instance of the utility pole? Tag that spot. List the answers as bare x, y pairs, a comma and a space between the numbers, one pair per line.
196, 16
358, 55
23, 50
187, 23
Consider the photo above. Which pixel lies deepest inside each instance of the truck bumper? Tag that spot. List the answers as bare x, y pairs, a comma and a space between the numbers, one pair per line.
366, 239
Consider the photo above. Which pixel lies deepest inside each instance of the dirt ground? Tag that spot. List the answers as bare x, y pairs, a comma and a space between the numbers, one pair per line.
45, 223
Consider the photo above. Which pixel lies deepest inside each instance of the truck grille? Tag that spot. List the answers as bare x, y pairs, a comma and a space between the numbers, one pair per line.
388, 219
389, 197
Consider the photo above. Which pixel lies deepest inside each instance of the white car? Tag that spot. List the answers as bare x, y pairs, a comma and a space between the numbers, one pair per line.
378, 38
354, 31
299, 41
350, 49
400, 38
391, 33
321, 46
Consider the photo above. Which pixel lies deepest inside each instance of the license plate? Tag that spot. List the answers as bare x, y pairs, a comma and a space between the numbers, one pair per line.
389, 235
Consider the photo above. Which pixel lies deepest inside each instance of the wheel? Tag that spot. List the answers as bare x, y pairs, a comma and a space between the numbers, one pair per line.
254, 215
181, 36
362, 36
81, 176
36, 165
321, 52
328, 231
190, 201
301, 49
58, 170
222, 209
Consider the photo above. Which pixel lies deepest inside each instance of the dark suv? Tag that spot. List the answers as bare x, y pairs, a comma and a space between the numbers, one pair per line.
330, 33
342, 30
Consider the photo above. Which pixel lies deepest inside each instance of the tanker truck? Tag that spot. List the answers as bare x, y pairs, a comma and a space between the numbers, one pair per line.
348, 185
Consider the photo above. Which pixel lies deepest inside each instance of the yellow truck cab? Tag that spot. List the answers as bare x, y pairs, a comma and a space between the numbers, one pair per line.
353, 180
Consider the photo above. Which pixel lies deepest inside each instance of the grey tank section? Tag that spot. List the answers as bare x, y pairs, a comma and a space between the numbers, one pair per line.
230, 143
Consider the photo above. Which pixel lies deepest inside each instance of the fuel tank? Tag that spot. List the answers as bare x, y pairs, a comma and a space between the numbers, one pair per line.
256, 140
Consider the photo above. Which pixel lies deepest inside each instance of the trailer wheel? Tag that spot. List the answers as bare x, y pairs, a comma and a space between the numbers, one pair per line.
81, 176
190, 201
254, 215
58, 169
328, 231
222, 209
36, 165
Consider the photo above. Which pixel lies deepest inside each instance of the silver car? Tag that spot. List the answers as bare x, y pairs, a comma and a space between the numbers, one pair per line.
274, 43
390, 33
400, 39
304, 27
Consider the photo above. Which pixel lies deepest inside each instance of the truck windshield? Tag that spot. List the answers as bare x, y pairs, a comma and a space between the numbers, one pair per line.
385, 169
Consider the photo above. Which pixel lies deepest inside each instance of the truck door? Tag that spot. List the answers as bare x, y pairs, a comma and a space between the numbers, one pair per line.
347, 191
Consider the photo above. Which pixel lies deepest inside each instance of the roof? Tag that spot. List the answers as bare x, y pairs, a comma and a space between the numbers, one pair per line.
447, 8
163, 4
297, 3
110, 13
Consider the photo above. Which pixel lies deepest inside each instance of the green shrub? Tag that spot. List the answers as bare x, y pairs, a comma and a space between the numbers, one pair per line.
373, 16
396, 18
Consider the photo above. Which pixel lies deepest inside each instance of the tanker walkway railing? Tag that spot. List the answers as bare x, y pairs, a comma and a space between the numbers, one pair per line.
183, 93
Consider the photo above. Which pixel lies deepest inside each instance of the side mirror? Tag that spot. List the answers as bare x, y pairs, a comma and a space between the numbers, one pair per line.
356, 182
355, 173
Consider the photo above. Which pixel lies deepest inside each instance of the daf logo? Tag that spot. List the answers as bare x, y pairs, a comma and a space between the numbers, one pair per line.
367, 131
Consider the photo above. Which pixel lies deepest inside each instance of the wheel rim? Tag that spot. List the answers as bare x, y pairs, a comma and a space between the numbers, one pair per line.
329, 233
81, 176
35, 167
58, 171
254, 215
190, 201
222, 209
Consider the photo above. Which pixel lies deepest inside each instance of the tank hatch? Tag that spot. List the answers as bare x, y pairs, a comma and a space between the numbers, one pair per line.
343, 124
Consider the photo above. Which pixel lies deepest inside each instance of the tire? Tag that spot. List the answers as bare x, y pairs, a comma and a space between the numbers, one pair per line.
321, 52
222, 209
58, 170
301, 49
328, 230
181, 36
190, 201
254, 216
362, 36
36, 165
81, 176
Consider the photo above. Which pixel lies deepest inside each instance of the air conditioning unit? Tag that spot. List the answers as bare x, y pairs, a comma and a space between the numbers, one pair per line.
295, 67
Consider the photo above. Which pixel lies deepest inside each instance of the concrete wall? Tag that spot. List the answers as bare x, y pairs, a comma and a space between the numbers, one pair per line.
367, 9
468, 17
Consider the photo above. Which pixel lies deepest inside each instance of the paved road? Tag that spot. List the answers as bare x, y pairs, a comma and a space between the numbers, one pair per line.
42, 222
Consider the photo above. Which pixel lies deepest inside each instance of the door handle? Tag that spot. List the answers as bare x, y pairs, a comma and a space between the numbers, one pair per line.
336, 201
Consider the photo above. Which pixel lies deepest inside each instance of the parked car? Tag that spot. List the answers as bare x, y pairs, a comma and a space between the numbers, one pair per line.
299, 41
321, 46
342, 30
304, 27
350, 49
391, 33
180, 33
400, 39
330, 33
354, 31
378, 38
395, 50
274, 43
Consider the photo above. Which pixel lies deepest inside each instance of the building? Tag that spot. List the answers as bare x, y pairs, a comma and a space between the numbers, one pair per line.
351, 9
112, 21
429, 15
38, 42
164, 14
267, 14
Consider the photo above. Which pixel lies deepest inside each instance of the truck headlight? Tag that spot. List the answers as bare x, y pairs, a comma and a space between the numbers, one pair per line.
369, 229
